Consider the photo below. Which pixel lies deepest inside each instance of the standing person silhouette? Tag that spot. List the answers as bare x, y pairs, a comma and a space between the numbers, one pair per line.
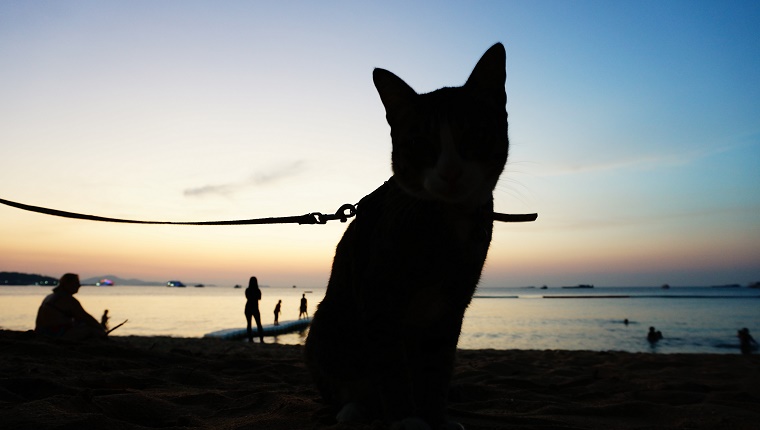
277, 313
303, 312
252, 296
104, 320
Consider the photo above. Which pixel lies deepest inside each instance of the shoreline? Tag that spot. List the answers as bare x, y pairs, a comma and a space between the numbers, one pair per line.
135, 382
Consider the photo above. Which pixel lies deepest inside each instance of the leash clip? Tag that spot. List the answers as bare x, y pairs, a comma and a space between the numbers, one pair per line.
343, 214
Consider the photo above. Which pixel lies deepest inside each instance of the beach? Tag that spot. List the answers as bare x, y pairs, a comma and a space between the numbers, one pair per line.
134, 382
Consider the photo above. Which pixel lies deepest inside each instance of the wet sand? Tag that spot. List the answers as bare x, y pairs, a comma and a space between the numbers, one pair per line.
172, 383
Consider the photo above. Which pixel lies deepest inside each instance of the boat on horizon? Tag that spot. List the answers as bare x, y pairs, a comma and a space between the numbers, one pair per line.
580, 286
176, 284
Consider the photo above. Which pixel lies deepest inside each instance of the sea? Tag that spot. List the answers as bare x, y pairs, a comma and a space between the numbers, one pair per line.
691, 319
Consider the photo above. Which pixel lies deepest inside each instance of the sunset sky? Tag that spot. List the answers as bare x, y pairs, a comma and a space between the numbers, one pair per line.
634, 130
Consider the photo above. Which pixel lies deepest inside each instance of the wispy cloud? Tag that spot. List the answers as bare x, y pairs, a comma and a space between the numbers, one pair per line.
266, 177
717, 214
222, 190
643, 162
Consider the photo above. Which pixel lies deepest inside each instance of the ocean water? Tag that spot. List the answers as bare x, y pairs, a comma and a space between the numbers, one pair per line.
692, 319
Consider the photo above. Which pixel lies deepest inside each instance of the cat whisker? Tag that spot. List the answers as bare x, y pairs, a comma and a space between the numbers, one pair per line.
514, 192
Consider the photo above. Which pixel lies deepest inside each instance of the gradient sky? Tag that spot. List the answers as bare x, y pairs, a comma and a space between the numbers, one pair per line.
634, 129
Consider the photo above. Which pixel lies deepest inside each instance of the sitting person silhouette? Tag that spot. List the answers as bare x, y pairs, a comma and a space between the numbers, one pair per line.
61, 315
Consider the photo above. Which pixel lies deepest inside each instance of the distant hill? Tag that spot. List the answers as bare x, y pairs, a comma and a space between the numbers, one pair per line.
16, 278
120, 281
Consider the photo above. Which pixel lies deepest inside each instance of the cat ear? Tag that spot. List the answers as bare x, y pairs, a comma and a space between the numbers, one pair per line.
394, 92
490, 74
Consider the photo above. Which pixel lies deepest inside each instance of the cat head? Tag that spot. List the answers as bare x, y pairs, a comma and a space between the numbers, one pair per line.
451, 144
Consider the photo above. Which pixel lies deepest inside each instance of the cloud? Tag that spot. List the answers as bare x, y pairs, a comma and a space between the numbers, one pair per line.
644, 162
221, 190
590, 222
267, 177
275, 174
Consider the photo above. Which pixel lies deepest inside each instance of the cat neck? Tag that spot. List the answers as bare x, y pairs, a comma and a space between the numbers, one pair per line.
396, 212
396, 191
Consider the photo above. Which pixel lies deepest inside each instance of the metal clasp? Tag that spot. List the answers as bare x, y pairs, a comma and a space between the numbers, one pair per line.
343, 214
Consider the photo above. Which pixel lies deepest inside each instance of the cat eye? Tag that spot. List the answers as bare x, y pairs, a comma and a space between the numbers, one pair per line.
419, 150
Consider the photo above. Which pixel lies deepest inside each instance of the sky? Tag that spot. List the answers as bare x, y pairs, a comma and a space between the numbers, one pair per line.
634, 134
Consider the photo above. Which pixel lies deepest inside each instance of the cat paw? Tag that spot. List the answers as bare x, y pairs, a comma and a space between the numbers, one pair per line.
452, 425
416, 423
351, 412
411, 423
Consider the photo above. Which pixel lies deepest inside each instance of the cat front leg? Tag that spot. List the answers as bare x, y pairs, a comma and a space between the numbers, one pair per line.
414, 384
434, 352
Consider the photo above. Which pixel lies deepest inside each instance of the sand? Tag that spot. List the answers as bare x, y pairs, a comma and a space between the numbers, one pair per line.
176, 383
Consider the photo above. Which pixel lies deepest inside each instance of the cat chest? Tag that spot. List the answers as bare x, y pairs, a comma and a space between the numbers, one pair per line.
429, 306
435, 284
446, 254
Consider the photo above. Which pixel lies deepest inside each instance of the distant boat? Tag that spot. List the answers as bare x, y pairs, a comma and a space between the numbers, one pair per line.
665, 286
177, 284
237, 286
199, 286
105, 283
544, 287
581, 286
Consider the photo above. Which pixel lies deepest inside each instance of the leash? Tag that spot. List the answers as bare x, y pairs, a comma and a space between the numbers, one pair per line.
343, 214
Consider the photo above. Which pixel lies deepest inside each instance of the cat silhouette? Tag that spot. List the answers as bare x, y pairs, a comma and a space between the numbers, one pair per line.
382, 342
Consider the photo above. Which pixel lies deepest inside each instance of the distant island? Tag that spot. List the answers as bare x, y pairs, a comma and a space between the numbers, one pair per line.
120, 281
16, 278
